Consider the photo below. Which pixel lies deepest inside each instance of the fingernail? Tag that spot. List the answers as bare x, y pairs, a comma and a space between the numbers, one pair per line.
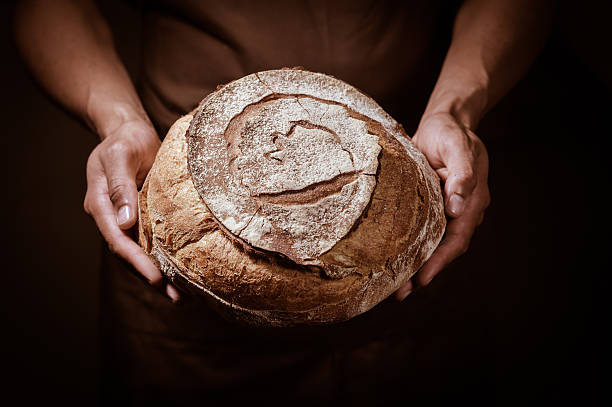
123, 215
456, 204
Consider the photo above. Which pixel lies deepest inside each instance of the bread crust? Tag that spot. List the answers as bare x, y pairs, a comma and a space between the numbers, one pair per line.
377, 247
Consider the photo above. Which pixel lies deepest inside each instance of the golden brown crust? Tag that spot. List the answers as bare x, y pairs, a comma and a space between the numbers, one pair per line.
398, 229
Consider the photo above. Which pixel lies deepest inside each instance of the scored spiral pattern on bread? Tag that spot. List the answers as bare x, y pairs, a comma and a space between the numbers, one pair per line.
290, 172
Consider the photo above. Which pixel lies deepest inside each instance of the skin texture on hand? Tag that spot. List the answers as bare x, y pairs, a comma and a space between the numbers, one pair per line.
460, 159
115, 170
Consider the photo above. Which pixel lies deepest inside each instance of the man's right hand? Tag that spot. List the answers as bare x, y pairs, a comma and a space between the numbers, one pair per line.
115, 169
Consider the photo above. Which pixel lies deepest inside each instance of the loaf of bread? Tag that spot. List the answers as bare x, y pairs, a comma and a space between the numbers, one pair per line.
290, 197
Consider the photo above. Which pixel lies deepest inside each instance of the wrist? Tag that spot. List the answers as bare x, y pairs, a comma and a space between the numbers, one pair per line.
106, 120
462, 97
105, 113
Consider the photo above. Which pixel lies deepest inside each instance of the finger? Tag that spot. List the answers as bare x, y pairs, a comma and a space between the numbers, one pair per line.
118, 240
122, 189
173, 293
404, 291
442, 173
455, 243
461, 180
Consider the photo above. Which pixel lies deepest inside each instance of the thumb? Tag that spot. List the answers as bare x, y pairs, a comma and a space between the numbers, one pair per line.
461, 179
123, 193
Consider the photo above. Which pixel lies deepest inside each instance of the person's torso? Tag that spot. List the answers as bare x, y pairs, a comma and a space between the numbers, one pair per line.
390, 50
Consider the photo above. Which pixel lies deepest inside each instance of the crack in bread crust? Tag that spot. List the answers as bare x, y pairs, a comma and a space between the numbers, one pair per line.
311, 193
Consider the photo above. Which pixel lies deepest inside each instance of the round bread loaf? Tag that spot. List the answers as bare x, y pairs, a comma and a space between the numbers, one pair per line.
290, 197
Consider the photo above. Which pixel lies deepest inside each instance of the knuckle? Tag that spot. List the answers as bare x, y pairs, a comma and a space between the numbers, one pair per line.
463, 247
479, 146
480, 151
458, 244
466, 176
112, 246
89, 204
118, 190
484, 200
86, 206
465, 180
90, 160
93, 161
475, 144
119, 149
487, 200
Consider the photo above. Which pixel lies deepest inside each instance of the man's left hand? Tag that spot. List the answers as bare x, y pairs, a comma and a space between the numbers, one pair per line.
460, 159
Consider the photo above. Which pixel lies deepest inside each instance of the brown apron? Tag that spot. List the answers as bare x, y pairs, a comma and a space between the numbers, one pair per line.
155, 351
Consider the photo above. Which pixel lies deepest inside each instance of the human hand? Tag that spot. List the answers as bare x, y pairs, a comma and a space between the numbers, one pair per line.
460, 159
115, 169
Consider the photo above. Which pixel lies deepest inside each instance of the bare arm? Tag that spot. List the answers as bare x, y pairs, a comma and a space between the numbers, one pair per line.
494, 42
69, 48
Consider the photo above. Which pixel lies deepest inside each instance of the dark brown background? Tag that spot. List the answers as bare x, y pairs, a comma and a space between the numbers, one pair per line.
534, 283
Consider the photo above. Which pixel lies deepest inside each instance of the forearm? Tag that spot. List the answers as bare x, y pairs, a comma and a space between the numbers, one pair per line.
493, 44
69, 48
